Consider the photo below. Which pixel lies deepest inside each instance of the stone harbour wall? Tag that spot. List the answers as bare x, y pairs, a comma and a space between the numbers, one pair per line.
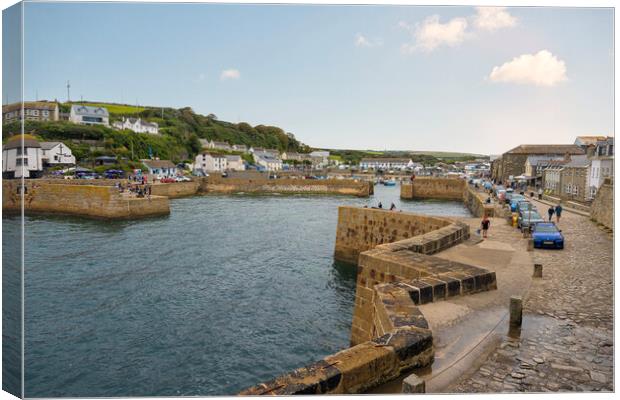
78, 199
389, 334
361, 229
602, 210
215, 184
406, 344
434, 188
475, 202
175, 190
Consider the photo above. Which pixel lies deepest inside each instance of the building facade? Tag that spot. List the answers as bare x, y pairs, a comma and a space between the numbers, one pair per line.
160, 168
87, 115
137, 125
56, 153
22, 157
386, 163
601, 165
512, 163
32, 111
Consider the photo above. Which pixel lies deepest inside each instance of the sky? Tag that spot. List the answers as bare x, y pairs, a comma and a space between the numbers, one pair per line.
461, 79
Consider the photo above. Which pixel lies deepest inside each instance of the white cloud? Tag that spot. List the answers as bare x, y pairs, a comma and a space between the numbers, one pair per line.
540, 69
431, 34
493, 18
363, 41
230, 74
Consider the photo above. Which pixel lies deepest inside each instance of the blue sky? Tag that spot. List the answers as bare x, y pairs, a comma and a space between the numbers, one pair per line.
363, 77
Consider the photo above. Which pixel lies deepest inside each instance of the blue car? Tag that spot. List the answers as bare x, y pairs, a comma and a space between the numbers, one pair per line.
524, 205
547, 235
514, 201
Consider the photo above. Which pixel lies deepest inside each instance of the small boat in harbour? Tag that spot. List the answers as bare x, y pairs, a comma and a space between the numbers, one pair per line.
390, 182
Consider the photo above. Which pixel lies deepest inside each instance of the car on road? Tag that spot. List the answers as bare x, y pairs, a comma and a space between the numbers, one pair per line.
182, 179
523, 205
547, 235
528, 219
514, 201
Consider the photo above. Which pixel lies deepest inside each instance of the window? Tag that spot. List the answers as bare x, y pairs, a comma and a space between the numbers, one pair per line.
21, 161
19, 151
92, 119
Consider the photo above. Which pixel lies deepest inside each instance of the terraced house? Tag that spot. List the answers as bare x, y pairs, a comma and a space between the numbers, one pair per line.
512, 163
31, 111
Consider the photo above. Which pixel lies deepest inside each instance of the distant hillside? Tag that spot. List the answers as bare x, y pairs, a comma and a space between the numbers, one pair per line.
180, 131
424, 157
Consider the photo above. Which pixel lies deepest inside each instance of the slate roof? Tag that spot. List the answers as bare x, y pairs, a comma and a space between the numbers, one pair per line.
89, 110
546, 149
158, 163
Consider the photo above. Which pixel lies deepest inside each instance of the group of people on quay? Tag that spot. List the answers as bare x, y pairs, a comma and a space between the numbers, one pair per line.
135, 185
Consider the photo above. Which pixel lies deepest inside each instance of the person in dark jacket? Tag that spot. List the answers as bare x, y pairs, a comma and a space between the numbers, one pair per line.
558, 212
551, 211
484, 226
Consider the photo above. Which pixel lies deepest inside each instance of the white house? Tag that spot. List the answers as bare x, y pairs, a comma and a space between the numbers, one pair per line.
160, 168
22, 157
87, 115
386, 163
267, 161
219, 146
240, 147
208, 162
602, 165
264, 152
56, 153
137, 125
235, 163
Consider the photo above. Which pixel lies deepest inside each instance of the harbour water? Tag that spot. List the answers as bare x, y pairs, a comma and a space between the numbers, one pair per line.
225, 292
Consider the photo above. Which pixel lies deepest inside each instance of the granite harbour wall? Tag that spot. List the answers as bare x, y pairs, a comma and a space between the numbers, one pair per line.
94, 201
448, 189
395, 274
215, 184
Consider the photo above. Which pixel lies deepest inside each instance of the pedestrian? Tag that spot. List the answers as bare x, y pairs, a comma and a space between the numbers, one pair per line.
558, 212
551, 211
484, 225
392, 207
540, 193
380, 205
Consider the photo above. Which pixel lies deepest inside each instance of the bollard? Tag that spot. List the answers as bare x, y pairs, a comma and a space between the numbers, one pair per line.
414, 384
530, 245
537, 271
516, 310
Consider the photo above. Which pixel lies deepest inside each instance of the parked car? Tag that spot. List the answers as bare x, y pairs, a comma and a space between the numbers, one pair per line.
182, 179
547, 235
523, 205
167, 180
528, 219
514, 201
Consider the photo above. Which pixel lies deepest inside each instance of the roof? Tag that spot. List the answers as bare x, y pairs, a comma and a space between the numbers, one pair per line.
578, 162
233, 158
89, 110
220, 143
546, 149
41, 105
214, 155
386, 160
587, 140
240, 146
158, 163
106, 158
16, 141
49, 145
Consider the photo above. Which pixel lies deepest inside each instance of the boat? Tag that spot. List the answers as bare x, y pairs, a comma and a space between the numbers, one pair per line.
390, 182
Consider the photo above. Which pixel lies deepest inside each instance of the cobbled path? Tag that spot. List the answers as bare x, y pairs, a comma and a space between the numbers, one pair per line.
566, 342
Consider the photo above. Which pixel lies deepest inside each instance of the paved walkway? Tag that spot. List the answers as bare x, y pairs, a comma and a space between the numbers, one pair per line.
566, 342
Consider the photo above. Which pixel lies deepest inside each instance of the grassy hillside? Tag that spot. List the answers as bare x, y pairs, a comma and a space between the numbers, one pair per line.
180, 131
120, 109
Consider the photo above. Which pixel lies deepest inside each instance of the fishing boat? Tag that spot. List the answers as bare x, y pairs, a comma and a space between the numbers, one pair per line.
390, 182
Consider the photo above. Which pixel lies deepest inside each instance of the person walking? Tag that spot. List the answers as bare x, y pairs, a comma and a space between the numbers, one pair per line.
558, 212
484, 226
392, 207
551, 211
540, 193
380, 205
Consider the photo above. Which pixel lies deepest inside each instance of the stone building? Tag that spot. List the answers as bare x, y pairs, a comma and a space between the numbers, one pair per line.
32, 111
574, 180
512, 163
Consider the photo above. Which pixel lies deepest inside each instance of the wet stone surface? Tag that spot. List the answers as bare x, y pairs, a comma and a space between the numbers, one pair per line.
566, 341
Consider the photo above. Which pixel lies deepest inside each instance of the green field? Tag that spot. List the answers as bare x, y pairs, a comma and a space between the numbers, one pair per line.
123, 109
